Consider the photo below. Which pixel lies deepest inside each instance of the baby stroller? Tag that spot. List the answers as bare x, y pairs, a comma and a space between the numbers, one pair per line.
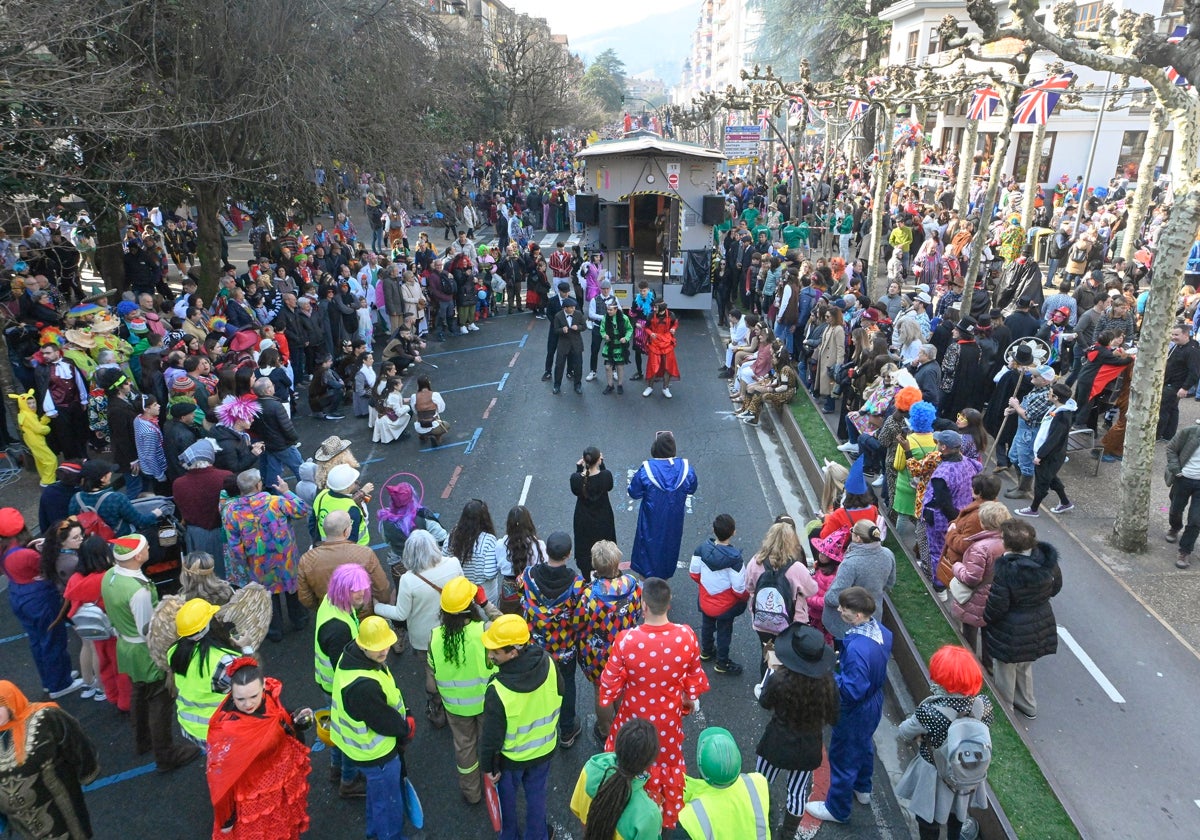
166, 543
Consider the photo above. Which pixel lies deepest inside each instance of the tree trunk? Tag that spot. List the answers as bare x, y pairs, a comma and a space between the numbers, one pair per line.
877, 284
913, 157
1032, 169
1008, 105
1137, 469
1145, 182
966, 168
208, 238
110, 256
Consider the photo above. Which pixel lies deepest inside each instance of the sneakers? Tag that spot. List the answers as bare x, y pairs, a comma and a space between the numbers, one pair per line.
649, 390
591, 377
578, 388
1062, 508
335, 416
541, 317
817, 809
750, 421
598, 736
75, 685
863, 798
461, 331
1172, 535
1108, 459
1027, 511
707, 655
667, 393
567, 740
848, 448
100, 696
1183, 561
353, 790
729, 667
89, 691
636, 377
473, 327
878, 482
607, 390
620, 389
546, 376
557, 391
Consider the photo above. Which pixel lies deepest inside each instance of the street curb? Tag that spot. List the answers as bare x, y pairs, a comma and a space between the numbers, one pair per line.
993, 822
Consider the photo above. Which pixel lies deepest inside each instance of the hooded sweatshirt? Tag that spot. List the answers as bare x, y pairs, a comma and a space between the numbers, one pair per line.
525, 673
721, 574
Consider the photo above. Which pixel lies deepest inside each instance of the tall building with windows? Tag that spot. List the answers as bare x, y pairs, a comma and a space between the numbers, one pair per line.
723, 44
1119, 139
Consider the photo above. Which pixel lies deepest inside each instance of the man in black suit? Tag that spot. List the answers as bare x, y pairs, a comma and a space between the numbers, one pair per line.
1180, 377
568, 325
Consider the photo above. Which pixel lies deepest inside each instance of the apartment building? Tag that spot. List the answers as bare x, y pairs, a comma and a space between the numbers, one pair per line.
723, 43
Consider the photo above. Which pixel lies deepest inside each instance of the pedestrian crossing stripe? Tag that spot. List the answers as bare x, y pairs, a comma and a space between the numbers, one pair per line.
547, 242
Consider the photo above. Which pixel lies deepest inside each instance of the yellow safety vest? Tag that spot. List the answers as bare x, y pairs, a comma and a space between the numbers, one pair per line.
734, 811
197, 701
326, 502
462, 687
352, 736
532, 728
322, 664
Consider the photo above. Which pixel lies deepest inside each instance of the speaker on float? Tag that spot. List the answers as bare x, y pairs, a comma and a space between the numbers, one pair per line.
712, 210
587, 209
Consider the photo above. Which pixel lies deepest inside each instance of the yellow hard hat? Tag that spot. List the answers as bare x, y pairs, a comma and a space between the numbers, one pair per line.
374, 634
458, 594
194, 616
321, 718
506, 631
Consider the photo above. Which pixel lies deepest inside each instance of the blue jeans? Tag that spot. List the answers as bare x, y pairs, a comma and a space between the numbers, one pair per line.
133, 485
274, 464
722, 627
385, 800
566, 719
785, 334
534, 780
1021, 450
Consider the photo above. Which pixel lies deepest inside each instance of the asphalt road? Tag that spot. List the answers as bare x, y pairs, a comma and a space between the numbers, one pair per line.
510, 436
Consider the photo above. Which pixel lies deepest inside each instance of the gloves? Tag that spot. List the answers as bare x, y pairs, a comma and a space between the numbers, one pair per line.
480, 596
412, 727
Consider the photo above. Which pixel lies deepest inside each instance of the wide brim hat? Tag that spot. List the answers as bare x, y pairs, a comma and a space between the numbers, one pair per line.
243, 340
95, 296
105, 324
81, 338
802, 649
330, 447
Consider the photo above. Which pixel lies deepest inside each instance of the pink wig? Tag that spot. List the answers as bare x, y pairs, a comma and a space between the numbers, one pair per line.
955, 669
233, 409
347, 579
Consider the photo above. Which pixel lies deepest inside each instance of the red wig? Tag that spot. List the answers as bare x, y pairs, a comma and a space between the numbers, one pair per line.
955, 669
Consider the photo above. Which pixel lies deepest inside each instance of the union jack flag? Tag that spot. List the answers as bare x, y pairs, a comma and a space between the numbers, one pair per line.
764, 118
873, 82
1038, 100
796, 106
1178, 35
983, 103
857, 109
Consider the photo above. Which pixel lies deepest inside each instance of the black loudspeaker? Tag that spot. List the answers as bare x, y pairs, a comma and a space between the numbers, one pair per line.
713, 210
587, 209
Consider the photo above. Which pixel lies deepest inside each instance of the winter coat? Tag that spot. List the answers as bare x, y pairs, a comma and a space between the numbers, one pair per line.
965, 525
662, 485
980, 551
1020, 621
869, 565
722, 577
830, 353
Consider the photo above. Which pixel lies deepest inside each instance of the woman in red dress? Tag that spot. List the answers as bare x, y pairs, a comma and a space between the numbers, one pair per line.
257, 761
660, 349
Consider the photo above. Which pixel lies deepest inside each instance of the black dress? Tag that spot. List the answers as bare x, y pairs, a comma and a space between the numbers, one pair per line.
593, 515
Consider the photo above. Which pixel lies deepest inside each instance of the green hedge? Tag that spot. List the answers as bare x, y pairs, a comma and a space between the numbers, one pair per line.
1023, 791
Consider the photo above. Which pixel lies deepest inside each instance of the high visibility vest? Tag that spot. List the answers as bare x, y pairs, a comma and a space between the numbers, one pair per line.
740, 810
532, 728
322, 664
326, 502
462, 686
352, 736
197, 701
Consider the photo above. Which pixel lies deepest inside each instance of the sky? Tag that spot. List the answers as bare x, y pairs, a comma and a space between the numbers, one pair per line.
576, 19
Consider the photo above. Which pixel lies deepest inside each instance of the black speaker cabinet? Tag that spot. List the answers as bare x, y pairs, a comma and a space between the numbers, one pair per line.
587, 209
713, 210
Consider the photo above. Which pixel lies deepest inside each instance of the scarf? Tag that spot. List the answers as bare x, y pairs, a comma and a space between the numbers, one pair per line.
18, 705
240, 745
869, 628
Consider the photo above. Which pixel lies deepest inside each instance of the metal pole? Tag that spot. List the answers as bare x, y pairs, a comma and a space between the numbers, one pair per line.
1087, 173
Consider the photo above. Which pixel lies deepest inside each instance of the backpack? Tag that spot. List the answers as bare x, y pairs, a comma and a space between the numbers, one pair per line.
447, 284
91, 623
963, 759
90, 521
774, 601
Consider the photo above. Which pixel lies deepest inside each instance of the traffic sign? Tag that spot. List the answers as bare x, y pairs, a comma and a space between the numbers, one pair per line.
741, 141
673, 180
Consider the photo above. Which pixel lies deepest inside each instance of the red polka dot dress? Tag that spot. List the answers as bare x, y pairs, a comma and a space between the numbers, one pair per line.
651, 670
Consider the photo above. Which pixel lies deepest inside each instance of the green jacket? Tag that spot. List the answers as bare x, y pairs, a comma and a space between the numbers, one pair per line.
1180, 450
133, 657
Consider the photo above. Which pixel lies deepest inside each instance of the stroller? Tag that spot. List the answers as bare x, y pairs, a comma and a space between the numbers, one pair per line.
166, 543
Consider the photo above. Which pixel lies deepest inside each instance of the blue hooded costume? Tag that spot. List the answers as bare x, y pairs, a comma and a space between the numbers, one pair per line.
663, 485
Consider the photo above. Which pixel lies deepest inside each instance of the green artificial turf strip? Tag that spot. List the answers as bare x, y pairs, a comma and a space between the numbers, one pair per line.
1023, 791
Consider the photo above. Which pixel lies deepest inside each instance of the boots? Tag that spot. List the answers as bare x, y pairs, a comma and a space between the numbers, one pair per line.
1024, 490
787, 829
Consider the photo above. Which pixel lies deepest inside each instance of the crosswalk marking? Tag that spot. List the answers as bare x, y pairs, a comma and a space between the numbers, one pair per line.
546, 243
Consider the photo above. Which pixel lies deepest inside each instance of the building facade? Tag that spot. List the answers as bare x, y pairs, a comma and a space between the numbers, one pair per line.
723, 44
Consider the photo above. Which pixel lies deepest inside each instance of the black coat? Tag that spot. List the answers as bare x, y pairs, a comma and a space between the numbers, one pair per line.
593, 520
781, 745
1183, 367
1020, 621
273, 426
235, 454
176, 438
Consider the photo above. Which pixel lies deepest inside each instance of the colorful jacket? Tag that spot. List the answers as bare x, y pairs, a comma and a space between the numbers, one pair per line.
261, 545
554, 618
722, 577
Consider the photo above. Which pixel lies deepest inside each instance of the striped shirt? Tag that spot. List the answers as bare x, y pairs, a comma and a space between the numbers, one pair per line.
149, 441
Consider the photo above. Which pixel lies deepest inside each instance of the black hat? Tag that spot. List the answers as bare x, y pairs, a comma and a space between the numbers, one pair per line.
1024, 303
802, 649
558, 545
966, 325
1024, 356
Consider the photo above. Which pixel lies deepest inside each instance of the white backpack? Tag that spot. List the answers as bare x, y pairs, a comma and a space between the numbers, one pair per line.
91, 623
963, 759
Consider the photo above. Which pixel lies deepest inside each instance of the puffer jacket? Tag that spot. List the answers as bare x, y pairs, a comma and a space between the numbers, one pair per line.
1020, 621
964, 526
979, 557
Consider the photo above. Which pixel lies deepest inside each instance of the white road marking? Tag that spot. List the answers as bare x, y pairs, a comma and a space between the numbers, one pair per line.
1091, 666
525, 490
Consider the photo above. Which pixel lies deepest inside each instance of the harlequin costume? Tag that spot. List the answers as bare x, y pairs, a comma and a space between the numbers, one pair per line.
653, 667
257, 770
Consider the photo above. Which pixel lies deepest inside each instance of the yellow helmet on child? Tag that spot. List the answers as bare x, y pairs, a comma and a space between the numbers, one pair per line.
458, 594
506, 631
375, 634
194, 616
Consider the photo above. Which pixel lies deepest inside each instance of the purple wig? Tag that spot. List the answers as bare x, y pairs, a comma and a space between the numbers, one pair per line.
345, 581
402, 508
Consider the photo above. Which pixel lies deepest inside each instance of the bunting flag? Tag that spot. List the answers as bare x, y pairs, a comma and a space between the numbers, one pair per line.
856, 109
983, 103
764, 118
1176, 36
796, 106
1038, 100
873, 82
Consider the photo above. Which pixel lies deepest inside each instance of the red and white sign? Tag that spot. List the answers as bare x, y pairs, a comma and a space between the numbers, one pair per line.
673, 175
